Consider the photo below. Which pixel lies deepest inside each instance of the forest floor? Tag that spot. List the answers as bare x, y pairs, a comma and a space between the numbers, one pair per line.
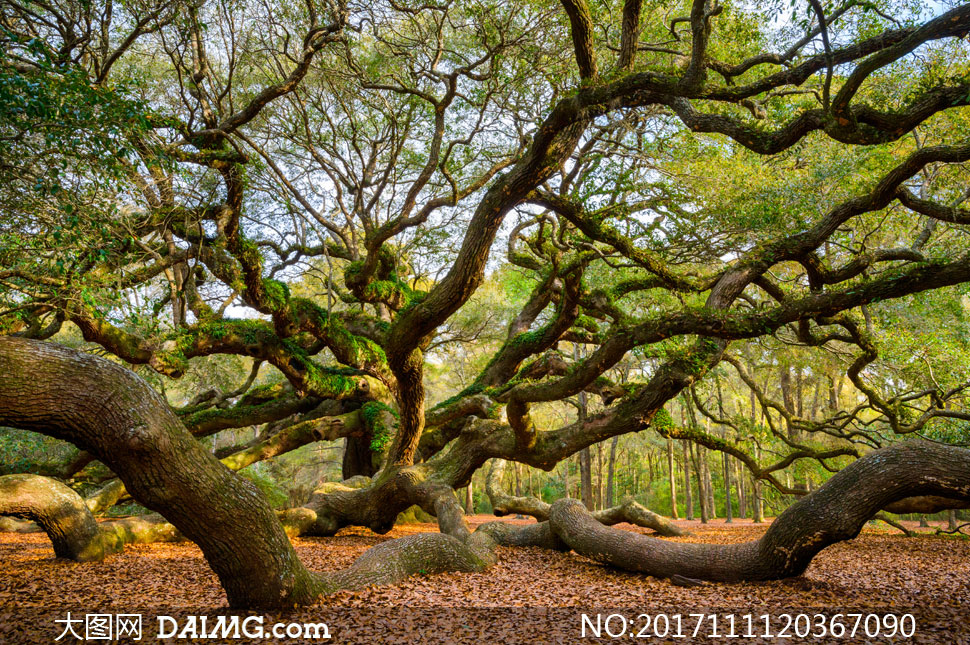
530, 596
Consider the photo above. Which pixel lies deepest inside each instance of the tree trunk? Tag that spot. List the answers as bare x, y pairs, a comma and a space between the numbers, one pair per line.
709, 487
699, 470
758, 501
672, 477
358, 458
836, 511
109, 411
611, 474
688, 496
599, 476
59, 511
728, 511
586, 479
469, 499
565, 476
742, 495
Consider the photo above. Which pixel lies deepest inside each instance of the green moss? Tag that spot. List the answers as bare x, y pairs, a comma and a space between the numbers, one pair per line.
266, 392
173, 363
385, 291
249, 254
413, 515
588, 323
328, 383
347, 347
353, 271
372, 413
277, 294
250, 332
474, 388
662, 420
495, 410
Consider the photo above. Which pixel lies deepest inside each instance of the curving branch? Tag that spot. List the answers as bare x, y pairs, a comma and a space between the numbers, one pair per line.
835, 512
59, 511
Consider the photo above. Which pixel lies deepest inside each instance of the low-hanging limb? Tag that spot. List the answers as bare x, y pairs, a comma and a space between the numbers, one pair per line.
59, 511
68, 520
835, 512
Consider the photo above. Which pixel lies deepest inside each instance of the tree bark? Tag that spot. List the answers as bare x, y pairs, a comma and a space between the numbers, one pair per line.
599, 476
611, 474
837, 511
688, 496
358, 458
708, 485
672, 477
628, 511
699, 470
757, 499
59, 511
742, 494
586, 479
565, 476
110, 412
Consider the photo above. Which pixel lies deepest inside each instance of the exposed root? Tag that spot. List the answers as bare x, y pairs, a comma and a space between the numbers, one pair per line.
628, 510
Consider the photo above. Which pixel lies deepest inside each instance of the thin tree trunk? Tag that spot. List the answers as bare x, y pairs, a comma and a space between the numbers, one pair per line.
599, 476
611, 474
742, 495
565, 476
758, 512
708, 486
688, 496
586, 479
672, 476
469, 499
725, 460
699, 469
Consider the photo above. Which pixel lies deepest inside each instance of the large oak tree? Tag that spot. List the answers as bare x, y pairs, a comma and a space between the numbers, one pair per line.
323, 187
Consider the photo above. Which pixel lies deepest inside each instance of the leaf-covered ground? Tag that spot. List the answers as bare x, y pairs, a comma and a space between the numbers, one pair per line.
531, 596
